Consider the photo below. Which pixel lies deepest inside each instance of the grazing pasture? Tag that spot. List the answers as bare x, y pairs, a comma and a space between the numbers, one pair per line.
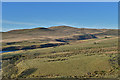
78, 59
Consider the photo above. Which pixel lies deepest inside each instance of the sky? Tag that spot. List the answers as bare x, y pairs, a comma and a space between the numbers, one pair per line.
26, 15
60, 0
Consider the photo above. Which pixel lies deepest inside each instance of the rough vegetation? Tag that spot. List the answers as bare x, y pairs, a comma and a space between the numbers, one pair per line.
86, 53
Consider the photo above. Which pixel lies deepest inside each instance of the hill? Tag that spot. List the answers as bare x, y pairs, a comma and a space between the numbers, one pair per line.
60, 52
52, 33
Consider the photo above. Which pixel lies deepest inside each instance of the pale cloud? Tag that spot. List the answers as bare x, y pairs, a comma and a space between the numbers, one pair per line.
11, 25
0, 30
19, 23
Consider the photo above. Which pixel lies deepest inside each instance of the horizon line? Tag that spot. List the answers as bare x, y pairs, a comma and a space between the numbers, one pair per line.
58, 26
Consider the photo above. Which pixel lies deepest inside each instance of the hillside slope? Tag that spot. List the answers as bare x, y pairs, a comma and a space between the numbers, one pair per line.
52, 33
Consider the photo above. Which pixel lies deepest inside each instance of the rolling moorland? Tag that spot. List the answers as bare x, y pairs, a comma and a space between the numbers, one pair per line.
60, 52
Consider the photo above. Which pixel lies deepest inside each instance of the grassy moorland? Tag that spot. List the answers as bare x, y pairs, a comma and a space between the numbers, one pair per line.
92, 54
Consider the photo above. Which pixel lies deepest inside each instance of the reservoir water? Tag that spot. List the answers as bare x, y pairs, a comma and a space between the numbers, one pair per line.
5, 51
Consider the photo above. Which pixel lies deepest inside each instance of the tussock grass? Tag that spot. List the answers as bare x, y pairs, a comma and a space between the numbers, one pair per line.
85, 59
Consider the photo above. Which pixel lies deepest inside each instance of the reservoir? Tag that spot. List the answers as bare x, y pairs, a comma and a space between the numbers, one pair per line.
5, 51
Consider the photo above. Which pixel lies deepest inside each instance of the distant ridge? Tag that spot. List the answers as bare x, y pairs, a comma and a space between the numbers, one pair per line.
61, 27
39, 28
53, 33
58, 27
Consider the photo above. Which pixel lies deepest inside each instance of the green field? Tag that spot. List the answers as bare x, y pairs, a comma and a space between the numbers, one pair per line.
91, 58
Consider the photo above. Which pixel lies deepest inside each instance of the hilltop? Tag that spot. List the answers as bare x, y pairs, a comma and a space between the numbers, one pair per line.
52, 33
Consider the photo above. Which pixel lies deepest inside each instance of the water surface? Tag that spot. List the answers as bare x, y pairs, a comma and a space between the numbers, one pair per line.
5, 51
